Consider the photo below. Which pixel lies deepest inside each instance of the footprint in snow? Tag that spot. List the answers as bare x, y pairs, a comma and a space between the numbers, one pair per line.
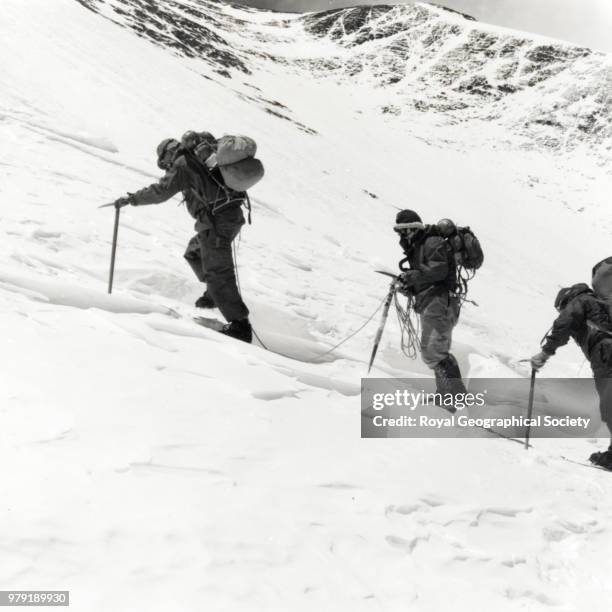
272, 395
514, 562
295, 294
513, 594
567, 529
40, 234
503, 512
406, 509
432, 502
578, 528
404, 544
306, 314
466, 558
554, 535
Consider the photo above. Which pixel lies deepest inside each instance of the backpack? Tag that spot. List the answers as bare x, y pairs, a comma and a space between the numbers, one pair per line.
465, 246
602, 284
602, 280
234, 156
466, 251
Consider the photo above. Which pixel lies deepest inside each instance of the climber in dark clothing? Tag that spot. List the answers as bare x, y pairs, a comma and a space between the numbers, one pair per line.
219, 218
431, 281
585, 318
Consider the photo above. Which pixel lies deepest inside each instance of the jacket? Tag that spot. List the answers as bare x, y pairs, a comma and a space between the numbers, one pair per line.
432, 269
205, 194
584, 318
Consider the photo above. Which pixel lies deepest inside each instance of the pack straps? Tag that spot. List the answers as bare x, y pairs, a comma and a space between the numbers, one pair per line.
220, 203
248, 206
596, 327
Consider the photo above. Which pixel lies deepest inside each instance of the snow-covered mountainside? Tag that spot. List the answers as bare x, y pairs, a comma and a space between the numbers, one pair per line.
152, 464
420, 58
430, 60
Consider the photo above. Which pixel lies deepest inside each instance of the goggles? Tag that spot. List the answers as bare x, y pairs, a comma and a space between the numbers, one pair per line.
402, 227
167, 156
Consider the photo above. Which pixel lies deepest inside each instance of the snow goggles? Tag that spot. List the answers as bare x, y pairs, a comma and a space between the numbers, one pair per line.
167, 155
402, 227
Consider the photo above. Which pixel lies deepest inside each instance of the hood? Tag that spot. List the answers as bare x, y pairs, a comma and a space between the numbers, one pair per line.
567, 294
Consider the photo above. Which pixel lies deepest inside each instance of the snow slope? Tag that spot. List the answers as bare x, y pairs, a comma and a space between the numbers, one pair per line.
150, 463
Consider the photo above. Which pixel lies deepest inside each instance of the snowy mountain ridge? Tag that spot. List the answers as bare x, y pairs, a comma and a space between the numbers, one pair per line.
424, 62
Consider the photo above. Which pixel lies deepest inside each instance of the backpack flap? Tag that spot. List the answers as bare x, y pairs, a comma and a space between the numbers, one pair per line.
232, 149
242, 175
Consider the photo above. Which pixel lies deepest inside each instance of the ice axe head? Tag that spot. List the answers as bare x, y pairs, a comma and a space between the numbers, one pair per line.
390, 274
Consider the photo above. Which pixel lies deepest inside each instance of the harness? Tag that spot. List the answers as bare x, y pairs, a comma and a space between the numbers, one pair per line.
224, 197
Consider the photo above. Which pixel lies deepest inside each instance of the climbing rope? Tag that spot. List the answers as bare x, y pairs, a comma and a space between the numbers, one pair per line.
349, 337
410, 330
235, 252
317, 357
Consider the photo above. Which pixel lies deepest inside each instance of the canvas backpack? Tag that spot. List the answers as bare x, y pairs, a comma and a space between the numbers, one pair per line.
602, 280
233, 156
466, 248
466, 251
602, 284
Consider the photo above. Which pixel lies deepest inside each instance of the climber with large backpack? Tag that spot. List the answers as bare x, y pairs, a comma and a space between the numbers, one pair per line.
585, 316
213, 176
439, 261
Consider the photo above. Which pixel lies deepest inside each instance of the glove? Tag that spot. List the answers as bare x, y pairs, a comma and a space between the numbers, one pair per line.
538, 361
124, 201
404, 283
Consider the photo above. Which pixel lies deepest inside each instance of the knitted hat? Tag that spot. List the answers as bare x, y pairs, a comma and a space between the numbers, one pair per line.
407, 216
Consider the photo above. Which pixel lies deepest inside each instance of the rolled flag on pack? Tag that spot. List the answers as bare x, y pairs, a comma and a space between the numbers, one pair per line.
235, 157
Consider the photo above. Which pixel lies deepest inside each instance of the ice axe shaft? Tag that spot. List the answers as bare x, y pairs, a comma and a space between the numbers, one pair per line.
530, 408
390, 274
113, 251
383, 321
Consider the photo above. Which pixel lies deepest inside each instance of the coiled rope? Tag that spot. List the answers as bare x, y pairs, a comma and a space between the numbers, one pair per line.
410, 329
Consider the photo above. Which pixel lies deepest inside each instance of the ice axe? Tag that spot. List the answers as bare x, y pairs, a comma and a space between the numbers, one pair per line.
530, 408
114, 248
385, 314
